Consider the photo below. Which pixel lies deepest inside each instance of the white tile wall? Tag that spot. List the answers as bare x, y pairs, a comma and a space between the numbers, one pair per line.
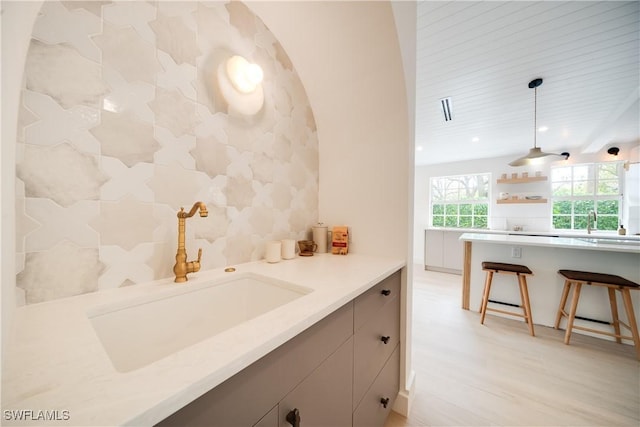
122, 124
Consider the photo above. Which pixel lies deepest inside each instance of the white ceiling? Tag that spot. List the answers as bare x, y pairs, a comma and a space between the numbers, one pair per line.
484, 54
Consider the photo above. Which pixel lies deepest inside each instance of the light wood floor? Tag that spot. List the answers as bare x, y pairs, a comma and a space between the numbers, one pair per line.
468, 374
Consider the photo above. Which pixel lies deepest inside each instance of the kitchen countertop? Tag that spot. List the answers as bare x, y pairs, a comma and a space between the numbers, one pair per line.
587, 243
557, 233
55, 361
545, 256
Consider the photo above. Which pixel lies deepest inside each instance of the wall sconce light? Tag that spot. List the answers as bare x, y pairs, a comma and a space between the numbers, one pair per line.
244, 76
613, 151
241, 84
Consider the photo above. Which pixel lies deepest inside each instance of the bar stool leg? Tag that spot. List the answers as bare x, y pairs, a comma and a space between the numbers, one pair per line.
614, 313
563, 303
572, 312
524, 306
631, 318
524, 291
485, 296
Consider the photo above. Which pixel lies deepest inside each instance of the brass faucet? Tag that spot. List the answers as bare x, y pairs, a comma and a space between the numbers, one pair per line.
182, 266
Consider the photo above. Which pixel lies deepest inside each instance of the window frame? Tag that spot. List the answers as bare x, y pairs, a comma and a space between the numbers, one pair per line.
458, 202
581, 204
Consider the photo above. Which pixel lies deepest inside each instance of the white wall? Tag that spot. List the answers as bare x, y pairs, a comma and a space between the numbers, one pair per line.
17, 22
534, 217
348, 57
406, 23
632, 196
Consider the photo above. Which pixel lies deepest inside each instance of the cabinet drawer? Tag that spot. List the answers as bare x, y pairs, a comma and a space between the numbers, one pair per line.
371, 412
246, 397
269, 420
323, 399
368, 304
241, 400
370, 350
303, 353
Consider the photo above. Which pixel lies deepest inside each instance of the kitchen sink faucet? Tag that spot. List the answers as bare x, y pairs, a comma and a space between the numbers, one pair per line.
182, 266
589, 216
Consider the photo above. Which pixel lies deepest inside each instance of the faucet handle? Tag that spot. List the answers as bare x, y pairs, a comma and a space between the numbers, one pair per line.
193, 266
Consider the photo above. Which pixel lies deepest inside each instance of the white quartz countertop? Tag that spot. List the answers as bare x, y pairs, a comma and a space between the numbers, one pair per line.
597, 234
587, 243
56, 363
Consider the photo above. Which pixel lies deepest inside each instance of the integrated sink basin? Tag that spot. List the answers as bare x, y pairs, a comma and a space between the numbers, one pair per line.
609, 241
140, 331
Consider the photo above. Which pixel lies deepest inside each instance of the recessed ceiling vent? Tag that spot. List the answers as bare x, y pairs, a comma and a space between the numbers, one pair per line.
446, 106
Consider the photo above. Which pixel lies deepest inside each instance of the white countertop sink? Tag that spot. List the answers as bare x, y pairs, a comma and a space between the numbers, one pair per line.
611, 241
139, 331
69, 354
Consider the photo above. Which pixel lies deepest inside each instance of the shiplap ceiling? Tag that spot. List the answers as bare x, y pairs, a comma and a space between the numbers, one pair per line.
484, 54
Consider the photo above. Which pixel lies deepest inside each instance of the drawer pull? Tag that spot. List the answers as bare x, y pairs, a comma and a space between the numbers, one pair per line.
386, 292
384, 401
293, 417
385, 339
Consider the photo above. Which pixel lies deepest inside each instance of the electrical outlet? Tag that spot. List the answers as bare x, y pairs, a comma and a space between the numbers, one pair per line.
516, 252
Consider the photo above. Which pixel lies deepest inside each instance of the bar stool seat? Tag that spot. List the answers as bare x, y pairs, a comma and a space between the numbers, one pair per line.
521, 272
613, 283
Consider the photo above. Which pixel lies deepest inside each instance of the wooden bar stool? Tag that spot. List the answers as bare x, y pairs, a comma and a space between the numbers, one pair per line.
613, 283
521, 273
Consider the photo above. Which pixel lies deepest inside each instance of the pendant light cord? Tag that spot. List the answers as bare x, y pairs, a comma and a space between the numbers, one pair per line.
535, 116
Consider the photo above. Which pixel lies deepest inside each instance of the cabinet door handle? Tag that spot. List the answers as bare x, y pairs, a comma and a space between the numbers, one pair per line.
386, 292
384, 401
293, 417
385, 339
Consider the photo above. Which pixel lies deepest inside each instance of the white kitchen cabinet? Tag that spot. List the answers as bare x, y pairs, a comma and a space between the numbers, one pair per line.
433, 255
453, 250
443, 251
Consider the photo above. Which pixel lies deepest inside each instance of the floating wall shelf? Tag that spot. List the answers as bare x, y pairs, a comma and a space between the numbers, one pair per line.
508, 201
522, 180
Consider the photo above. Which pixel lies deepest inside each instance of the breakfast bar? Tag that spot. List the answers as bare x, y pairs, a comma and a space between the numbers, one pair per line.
545, 255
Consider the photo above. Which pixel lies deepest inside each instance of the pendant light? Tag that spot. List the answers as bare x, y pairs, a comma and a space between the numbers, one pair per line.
535, 154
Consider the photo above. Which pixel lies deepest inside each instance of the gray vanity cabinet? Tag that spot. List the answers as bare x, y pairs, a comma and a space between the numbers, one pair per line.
245, 398
371, 412
336, 373
376, 357
324, 398
269, 420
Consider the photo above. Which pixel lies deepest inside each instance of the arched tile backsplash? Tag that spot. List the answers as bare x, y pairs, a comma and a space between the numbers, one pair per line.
121, 123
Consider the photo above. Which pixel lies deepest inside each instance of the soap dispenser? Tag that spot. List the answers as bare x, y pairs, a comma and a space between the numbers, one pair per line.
622, 231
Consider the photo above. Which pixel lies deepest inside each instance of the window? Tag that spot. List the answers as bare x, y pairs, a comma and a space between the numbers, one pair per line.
580, 189
460, 201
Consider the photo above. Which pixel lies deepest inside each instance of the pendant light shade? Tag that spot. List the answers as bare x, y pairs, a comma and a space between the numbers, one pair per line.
535, 154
